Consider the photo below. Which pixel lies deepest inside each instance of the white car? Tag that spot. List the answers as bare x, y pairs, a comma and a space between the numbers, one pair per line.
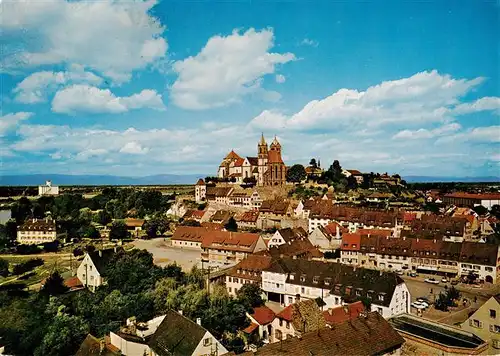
422, 302
418, 305
431, 280
444, 280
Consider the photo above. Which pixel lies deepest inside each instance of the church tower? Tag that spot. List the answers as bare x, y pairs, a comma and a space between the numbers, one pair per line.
262, 159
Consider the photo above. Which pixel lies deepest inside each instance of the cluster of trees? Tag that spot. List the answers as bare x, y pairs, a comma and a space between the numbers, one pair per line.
447, 299
27, 266
52, 322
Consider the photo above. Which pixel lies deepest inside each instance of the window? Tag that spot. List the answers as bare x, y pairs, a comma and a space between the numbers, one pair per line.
496, 344
493, 313
476, 323
381, 297
379, 310
302, 290
288, 325
290, 300
292, 277
495, 328
315, 279
278, 334
302, 278
230, 289
281, 322
207, 341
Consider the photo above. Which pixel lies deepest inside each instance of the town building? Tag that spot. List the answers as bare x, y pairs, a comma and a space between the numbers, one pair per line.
260, 328
200, 191
273, 212
92, 346
472, 199
288, 280
340, 314
91, 271
286, 236
485, 323
367, 335
249, 270
225, 248
189, 236
353, 173
268, 168
178, 335
37, 231
48, 189
328, 237
248, 219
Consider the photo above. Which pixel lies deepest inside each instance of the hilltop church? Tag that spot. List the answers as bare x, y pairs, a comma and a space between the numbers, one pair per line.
267, 168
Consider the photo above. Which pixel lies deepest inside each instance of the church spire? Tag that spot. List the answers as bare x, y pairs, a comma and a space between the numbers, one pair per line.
262, 139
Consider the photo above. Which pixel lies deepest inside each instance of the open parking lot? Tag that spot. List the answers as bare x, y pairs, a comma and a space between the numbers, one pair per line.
164, 253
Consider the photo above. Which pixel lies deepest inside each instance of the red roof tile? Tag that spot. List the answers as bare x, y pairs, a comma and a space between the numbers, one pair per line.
343, 313
286, 313
250, 328
351, 242
263, 315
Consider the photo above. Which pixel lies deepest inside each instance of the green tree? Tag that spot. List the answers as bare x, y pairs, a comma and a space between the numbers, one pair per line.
231, 225
102, 217
54, 285
64, 334
4, 267
296, 173
250, 295
89, 232
313, 163
118, 231
480, 210
8, 233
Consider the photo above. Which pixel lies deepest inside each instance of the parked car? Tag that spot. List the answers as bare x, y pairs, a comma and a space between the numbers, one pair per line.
444, 280
413, 274
423, 302
431, 280
400, 272
418, 305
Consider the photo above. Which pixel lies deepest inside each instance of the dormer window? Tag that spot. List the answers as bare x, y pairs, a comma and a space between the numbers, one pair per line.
292, 277
315, 279
303, 278
327, 281
381, 297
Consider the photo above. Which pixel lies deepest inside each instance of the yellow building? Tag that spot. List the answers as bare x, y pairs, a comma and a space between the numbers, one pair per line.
485, 323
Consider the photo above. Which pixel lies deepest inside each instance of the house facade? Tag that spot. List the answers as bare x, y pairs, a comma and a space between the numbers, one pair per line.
37, 231
91, 270
48, 189
485, 323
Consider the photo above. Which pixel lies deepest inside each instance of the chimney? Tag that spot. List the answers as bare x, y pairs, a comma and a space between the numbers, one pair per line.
180, 312
100, 253
198, 321
337, 234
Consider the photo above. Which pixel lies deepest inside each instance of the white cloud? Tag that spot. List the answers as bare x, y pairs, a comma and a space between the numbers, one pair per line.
483, 104
280, 78
111, 37
226, 69
489, 134
309, 42
134, 148
425, 97
85, 98
10, 121
35, 88
426, 134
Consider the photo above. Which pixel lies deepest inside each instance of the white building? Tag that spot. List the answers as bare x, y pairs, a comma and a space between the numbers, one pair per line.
200, 191
48, 189
91, 269
37, 231
288, 280
286, 236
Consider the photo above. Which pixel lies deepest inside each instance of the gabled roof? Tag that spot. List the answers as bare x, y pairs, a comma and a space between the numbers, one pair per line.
364, 336
288, 234
46, 224
254, 161
343, 313
91, 346
101, 258
200, 182
176, 336
232, 155
354, 172
304, 315
274, 157
130, 222
263, 315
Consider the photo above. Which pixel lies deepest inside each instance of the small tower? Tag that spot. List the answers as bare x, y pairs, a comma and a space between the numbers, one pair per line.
262, 159
275, 145
200, 191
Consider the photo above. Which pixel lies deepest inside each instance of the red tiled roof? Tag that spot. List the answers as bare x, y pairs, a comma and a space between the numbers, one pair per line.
250, 328
134, 222
239, 162
198, 214
232, 155
263, 315
274, 157
286, 313
479, 196
200, 182
343, 313
230, 241
249, 216
73, 282
377, 232
354, 172
351, 242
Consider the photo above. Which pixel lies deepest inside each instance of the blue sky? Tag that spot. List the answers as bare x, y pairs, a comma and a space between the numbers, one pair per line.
140, 88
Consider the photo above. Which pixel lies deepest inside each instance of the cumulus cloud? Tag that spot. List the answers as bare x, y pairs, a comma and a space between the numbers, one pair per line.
36, 87
10, 121
226, 69
489, 134
427, 133
483, 104
309, 42
425, 97
111, 37
134, 148
85, 98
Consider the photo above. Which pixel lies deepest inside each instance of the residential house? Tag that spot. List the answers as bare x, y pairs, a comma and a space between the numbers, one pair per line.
340, 314
93, 346
219, 195
248, 219
288, 280
328, 237
221, 217
245, 199
272, 212
286, 235
298, 248
178, 335
249, 270
37, 231
480, 259
132, 340
134, 225
350, 248
260, 328
200, 191
91, 271
177, 209
296, 319
194, 215
189, 236
367, 335
485, 323
225, 248
354, 173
